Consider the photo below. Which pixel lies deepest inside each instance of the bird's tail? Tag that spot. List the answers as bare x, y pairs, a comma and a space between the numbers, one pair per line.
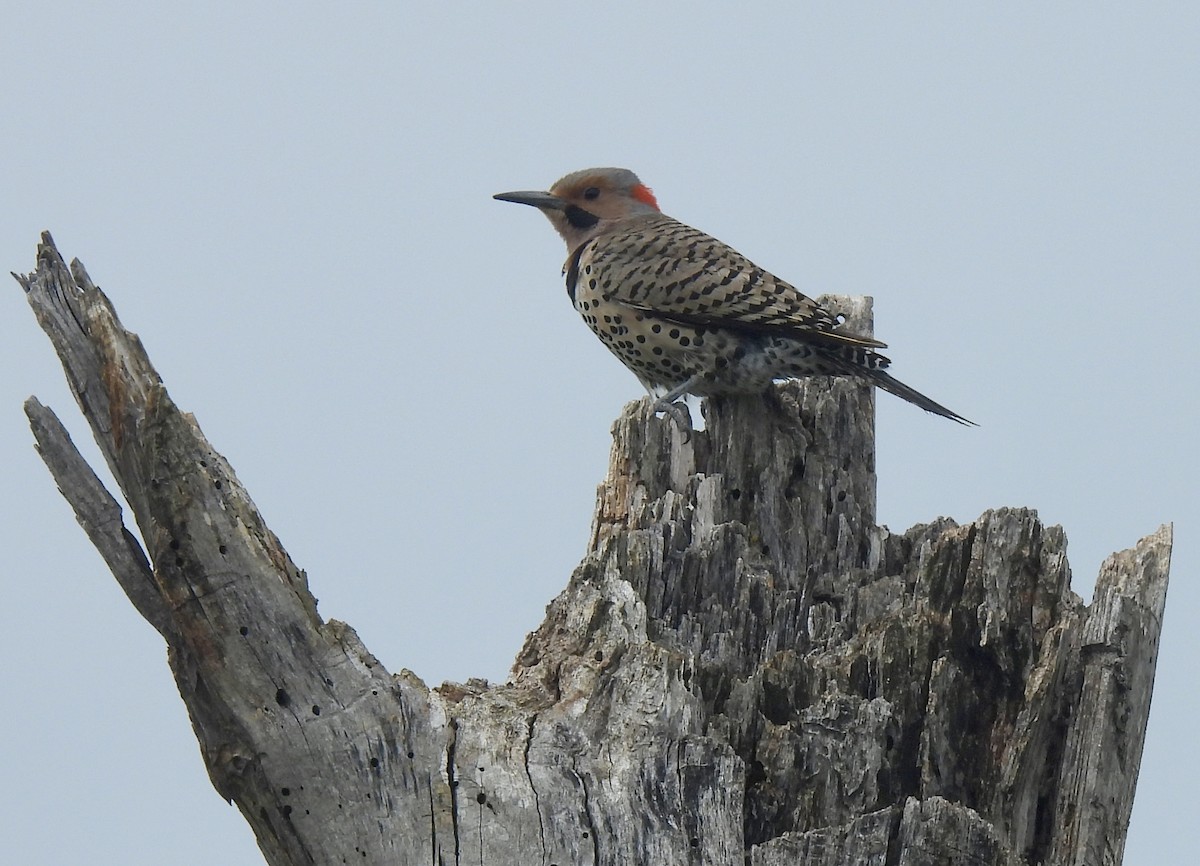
894, 386
867, 364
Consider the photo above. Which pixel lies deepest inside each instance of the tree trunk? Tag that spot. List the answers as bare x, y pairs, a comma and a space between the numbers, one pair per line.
743, 669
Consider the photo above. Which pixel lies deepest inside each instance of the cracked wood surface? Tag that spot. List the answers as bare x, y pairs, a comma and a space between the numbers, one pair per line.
743, 669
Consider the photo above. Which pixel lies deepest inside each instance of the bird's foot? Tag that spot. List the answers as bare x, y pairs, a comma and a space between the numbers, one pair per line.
678, 412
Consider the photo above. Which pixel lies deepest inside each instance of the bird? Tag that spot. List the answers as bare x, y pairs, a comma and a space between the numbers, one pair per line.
688, 314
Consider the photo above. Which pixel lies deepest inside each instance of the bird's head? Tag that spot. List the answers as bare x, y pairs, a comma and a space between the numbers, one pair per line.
584, 203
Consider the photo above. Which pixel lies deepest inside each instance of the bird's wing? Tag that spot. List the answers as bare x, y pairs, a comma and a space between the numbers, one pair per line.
674, 271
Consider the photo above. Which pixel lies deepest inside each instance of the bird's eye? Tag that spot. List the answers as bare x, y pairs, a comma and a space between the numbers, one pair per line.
592, 192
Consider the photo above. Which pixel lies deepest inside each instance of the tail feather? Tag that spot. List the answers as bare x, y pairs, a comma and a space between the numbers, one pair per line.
868, 365
912, 395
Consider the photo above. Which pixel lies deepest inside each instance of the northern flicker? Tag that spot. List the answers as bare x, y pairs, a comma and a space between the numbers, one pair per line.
686, 313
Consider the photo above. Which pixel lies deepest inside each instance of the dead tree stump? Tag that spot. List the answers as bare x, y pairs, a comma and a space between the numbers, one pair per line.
744, 669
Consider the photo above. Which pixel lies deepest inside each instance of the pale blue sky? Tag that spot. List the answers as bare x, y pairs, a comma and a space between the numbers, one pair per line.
291, 204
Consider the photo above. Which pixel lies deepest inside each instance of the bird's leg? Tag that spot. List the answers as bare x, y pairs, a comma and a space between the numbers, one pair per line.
678, 391
679, 414
668, 404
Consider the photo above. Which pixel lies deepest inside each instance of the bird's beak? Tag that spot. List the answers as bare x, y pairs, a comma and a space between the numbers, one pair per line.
539, 200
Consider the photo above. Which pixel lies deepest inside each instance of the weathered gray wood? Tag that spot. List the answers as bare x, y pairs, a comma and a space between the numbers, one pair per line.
99, 515
744, 667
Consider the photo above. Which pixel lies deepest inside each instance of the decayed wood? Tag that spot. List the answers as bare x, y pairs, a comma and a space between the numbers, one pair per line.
744, 667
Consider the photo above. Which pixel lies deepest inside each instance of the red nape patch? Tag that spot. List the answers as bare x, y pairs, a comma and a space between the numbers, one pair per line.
643, 194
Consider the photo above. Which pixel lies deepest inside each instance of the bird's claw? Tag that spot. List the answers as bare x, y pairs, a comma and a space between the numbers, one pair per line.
678, 412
